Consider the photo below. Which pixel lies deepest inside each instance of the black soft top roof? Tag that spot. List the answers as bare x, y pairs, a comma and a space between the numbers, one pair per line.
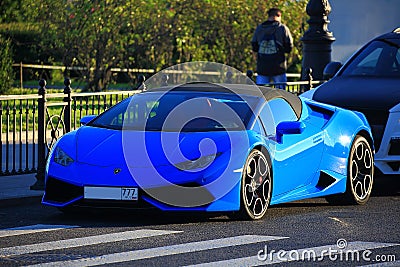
241, 89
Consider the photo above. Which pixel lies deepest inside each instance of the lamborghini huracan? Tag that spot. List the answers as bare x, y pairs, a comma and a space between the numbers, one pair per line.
214, 147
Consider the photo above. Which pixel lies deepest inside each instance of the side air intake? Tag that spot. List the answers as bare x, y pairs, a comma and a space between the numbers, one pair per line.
324, 181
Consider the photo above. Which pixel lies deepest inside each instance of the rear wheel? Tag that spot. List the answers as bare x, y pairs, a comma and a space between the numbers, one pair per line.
360, 174
256, 187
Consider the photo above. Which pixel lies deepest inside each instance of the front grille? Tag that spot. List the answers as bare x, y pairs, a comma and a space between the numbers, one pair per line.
377, 119
112, 204
61, 192
181, 198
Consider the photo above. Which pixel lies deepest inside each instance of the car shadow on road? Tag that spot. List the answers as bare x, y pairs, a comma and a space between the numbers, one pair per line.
132, 217
386, 185
383, 186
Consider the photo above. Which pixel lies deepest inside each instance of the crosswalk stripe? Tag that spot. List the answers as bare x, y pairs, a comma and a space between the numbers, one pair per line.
306, 254
31, 229
384, 264
83, 241
165, 251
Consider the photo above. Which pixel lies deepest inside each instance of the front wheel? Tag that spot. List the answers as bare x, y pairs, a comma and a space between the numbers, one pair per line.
360, 174
256, 187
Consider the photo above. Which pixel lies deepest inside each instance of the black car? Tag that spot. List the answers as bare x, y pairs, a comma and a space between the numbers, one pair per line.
369, 82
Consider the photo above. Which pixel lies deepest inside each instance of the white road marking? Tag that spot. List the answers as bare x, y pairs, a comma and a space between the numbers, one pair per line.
165, 251
308, 255
83, 241
384, 264
339, 221
31, 229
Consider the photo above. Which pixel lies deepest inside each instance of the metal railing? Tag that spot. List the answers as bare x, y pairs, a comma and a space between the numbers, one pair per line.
40, 67
18, 124
31, 124
132, 71
296, 87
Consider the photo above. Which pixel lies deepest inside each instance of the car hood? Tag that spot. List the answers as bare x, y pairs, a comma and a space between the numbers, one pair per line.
105, 147
359, 93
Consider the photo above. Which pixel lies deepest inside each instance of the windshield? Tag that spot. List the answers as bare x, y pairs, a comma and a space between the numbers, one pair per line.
179, 111
379, 59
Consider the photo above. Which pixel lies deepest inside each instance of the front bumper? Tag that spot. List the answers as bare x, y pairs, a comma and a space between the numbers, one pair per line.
387, 158
65, 192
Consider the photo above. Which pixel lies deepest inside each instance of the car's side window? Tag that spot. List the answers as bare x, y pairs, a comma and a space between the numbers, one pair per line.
368, 64
274, 112
379, 58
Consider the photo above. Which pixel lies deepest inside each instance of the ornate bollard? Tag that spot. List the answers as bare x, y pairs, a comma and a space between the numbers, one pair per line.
141, 85
164, 80
67, 99
39, 184
229, 77
317, 40
309, 79
249, 74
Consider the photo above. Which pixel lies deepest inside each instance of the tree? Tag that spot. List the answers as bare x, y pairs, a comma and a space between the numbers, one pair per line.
6, 71
10, 11
101, 34
218, 30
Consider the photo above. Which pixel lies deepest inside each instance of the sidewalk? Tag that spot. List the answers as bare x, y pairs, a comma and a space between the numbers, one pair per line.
15, 189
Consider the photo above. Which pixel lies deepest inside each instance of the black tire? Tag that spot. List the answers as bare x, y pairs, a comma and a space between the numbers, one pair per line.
360, 175
256, 187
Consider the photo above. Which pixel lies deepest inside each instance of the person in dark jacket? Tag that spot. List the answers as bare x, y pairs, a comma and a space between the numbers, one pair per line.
271, 40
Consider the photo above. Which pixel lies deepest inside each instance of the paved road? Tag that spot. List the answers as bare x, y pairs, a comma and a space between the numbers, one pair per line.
33, 234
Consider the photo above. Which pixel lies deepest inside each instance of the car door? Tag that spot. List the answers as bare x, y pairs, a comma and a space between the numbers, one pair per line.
297, 158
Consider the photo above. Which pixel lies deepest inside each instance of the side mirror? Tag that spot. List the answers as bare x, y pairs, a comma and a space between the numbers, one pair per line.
288, 127
331, 69
86, 119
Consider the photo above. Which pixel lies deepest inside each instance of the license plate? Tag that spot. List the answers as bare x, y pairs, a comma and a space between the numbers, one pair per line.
129, 193
111, 193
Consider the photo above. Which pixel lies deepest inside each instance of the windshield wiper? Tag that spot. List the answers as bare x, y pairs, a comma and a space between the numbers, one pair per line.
106, 126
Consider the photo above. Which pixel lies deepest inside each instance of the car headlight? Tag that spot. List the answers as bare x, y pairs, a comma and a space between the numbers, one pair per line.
61, 157
197, 163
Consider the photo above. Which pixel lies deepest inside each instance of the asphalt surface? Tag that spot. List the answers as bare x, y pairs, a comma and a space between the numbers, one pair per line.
126, 238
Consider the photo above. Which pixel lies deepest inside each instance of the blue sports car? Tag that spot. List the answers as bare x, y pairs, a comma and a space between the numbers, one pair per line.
202, 146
